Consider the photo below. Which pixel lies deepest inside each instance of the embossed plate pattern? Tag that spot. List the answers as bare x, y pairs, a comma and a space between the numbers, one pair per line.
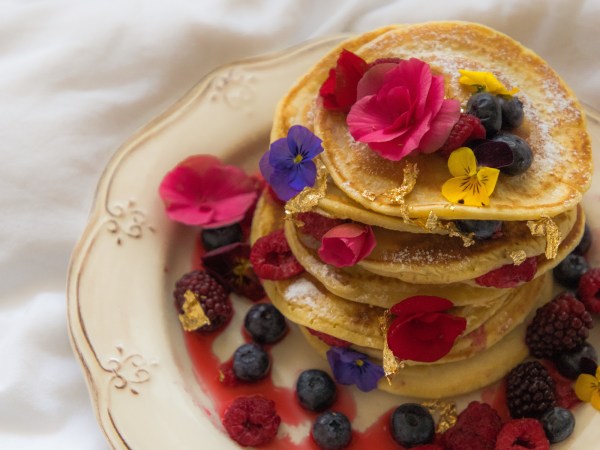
122, 326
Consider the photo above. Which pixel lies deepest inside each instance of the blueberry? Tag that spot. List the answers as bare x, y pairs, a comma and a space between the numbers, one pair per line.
585, 243
512, 112
486, 107
251, 362
571, 364
522, 155
265, 323
569, 270
412, 425
219, 237
482, 229
316, 390
332, 431
558, 424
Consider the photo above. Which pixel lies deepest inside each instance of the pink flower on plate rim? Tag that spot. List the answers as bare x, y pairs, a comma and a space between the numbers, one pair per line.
346, 244
203, 191
400, 109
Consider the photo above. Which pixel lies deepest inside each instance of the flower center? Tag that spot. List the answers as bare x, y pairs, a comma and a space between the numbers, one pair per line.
241, 267
360, 362
298, 159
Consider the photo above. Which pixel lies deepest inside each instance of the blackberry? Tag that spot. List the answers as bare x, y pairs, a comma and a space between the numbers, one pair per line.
569, 270
561, 325
210, 294
529, 390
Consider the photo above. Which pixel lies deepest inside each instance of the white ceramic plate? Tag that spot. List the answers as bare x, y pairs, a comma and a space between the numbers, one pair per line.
122, 324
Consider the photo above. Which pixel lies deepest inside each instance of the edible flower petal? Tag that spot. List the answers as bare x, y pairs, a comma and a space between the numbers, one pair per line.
347, 244
484, 81
339, 89
403, 110
350, 367
202, 191
587, 388
422, 330
287, 166
471, 185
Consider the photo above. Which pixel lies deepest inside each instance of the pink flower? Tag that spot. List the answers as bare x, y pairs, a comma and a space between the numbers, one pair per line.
202, 191
347, 244
401, 109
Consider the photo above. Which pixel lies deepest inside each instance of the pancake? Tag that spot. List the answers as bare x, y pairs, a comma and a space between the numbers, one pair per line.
554, 126
437, 259
304, 301
449, 380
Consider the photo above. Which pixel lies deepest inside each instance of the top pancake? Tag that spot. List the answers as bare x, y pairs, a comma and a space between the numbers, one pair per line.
554, 126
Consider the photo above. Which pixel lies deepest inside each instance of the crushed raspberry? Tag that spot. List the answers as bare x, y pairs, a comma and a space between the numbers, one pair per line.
316, 225
329, 339
522, 434
509, 275
476, 428
272, 258
467, 128
428, 447
495, 396
589, 290
251, 420
563, 387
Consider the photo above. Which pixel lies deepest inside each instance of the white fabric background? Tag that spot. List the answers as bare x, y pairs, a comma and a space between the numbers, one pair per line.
77, 78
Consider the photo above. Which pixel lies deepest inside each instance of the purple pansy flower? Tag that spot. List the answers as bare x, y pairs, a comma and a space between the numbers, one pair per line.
287, 165
350, 367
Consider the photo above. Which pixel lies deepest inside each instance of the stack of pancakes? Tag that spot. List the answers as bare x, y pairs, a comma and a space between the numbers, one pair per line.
420, 250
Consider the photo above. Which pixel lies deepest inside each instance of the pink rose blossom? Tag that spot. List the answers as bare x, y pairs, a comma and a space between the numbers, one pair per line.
347, 244
400, 109
202, 191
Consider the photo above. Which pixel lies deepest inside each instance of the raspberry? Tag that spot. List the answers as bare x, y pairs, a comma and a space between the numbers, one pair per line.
251, 420
589, 290
530, 390
522, 433
561, 325
476, 428
509, 275
329, 339
272, 258
565, 395
210, 294
316, 225
467, 128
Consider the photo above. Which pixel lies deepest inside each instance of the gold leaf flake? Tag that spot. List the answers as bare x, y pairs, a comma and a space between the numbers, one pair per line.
193, 316
546, 227
391, 365
518, 257
434, 224
369, 195
309, 197
396, 196
444, 411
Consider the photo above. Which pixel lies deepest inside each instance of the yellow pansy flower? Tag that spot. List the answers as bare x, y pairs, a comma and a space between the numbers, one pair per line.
484, 81
587, 388
471, 185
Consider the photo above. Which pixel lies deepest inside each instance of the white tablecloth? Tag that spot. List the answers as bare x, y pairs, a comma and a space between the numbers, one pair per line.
77, 78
